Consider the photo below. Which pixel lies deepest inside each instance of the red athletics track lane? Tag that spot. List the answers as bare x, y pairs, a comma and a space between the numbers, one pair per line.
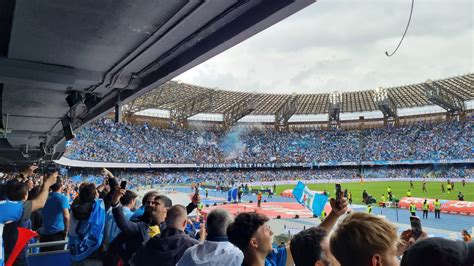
270, 209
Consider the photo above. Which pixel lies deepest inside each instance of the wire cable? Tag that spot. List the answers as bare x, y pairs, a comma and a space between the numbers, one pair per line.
406, 29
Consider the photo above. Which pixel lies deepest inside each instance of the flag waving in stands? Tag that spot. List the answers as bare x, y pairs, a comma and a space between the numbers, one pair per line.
313, 201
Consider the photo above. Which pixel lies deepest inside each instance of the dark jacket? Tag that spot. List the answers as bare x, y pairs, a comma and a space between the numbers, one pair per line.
107, 196
169, 247
132, 236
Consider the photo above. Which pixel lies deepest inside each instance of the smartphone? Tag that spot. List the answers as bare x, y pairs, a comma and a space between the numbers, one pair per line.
123, 184
339, 193
415, 226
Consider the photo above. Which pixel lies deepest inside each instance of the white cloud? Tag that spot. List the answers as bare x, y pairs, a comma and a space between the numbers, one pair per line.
340, 45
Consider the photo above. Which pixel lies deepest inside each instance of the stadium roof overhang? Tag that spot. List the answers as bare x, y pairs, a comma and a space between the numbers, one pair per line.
104, 53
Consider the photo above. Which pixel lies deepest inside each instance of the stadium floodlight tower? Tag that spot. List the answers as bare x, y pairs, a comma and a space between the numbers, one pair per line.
284, 113
385, 105
335, 104
446, 99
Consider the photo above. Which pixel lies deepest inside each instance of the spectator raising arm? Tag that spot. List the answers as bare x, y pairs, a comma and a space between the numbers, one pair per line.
113, 185
338, 208
39, 202
126, 226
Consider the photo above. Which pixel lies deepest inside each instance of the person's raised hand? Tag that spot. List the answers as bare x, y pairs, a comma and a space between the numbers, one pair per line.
118, 195
51, 179
338, 207
196, 199
106, 172
408, 240
69, 189
32, 168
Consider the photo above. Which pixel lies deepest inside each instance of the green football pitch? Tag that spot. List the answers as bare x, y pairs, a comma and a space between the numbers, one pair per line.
399, 190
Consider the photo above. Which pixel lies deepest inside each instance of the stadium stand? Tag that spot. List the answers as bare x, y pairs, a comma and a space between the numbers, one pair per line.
392, 152
105, 141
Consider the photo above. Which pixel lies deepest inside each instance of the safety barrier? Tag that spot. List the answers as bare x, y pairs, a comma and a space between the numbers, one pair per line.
56, 258
447, 206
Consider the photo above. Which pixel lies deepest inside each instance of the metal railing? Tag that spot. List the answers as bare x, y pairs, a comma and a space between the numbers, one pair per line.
48, 244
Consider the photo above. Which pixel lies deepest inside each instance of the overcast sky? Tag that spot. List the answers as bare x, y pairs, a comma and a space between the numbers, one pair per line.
339, 45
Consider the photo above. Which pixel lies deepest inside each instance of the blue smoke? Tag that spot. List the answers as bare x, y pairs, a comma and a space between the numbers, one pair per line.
232, 145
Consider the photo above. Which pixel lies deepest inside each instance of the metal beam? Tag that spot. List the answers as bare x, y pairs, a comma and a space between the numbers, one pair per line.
283, 114
385, 104
446, 99
154, 98
239, 110
193, 106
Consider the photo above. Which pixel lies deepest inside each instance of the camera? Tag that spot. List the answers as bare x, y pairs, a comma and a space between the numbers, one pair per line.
46, 168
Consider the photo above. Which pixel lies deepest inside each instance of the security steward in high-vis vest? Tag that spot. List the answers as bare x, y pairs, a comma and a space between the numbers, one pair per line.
426, 207
369, 209
437, 208
382, 200
412, 209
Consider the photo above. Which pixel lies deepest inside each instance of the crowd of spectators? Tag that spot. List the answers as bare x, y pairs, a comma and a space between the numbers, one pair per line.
420, 141
141, 178
103, 224
106, 141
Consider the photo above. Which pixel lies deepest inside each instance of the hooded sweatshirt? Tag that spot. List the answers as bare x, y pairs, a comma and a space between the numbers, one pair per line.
214, 251
165, 249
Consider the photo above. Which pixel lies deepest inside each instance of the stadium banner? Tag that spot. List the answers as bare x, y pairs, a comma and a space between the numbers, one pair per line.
85, 164
310, 199
404, 162
447, 206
